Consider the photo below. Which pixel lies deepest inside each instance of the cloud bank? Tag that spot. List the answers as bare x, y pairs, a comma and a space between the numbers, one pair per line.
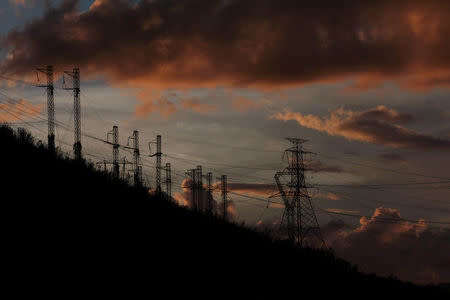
379, 125
265, 43
387, 244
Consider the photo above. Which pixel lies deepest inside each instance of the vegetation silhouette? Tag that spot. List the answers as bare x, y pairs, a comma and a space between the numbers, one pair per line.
70, 229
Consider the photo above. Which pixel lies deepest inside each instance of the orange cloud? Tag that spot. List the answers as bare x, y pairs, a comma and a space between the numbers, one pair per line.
242, 104
379, 125
151, 101
254, 189
329, 196
276, 205
338, 210
197, 106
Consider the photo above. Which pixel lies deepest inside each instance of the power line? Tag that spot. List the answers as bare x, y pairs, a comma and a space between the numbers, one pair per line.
381, 168
384, 184
67, 127
255, 198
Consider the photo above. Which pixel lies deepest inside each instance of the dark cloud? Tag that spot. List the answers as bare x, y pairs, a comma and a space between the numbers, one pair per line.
387, 244
319, 166
254, 42
379, 125
394, 157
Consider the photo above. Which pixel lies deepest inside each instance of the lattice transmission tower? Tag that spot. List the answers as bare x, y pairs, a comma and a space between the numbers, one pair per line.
299, 219
195, 184
137, 168
114, 133
158, 155
50, 104
224, 192
192, 184
75, 74
199, 187
168, 182
209, 187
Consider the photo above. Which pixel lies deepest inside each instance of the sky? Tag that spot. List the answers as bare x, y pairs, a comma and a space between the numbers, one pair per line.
225, 82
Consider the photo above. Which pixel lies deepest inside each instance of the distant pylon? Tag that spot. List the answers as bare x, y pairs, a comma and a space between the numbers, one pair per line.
168, 182
50, 105
136, 158
299, 217
158, 155
192, 175
75, 74
115, 143
224, 190
124, 162
199, 187
209, 183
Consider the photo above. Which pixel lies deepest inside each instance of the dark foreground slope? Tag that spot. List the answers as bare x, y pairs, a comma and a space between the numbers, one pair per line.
70, 230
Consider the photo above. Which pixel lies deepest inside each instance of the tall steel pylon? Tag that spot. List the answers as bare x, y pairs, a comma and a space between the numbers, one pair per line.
75, 74
136, 158
224, 191
115, 143
196, 187
192, 175
209, 184
50, 105
199, 188
168, 181
158, 155
299, 217
124, 162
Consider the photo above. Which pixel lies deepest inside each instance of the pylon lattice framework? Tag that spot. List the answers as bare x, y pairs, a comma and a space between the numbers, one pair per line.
75, 74
224, 192
209, 185
158, 155
137, 168
299, 219
168, 182
50, 105
115, 143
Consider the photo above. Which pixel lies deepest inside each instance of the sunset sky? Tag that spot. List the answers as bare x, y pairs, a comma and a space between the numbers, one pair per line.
225, 82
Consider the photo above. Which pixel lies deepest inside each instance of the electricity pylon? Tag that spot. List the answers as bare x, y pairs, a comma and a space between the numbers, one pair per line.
115, 143
124, 162
136, 158
199, 188
209, 184
299, 217
158, 155
168, 182
50, 105
224, 191
75, 74
196, 187
192, 175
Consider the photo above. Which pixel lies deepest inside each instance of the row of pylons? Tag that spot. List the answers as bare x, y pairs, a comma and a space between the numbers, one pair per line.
299, 215
75, 75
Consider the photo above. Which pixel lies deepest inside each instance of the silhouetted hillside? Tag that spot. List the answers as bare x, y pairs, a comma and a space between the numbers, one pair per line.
71, 230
